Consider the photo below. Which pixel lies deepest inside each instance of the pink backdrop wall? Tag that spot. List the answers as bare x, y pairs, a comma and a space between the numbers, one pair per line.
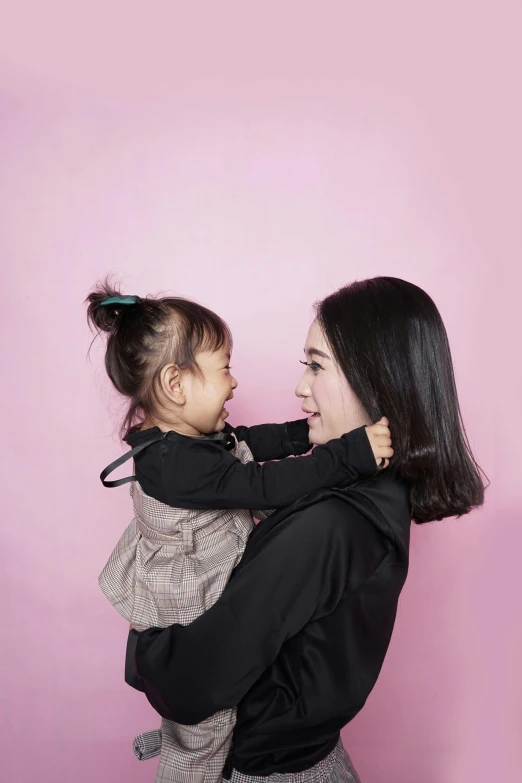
255, 159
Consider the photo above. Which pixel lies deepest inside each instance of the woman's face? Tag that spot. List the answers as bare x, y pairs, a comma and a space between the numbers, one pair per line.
327, 397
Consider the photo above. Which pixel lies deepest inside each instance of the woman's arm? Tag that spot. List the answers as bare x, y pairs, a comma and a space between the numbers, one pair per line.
274, 441
296, 574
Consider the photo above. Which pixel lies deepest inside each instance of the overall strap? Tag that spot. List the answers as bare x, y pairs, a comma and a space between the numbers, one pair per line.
124, 457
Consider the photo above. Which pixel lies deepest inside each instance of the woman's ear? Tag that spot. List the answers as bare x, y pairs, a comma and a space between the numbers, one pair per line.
170, 382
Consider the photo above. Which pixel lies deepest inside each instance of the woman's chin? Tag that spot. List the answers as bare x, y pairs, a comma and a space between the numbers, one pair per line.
315, 437
318, 434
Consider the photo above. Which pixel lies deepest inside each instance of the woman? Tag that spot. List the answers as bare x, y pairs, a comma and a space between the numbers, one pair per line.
298, 638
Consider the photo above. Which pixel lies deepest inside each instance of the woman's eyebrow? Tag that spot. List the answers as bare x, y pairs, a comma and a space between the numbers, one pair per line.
316, 352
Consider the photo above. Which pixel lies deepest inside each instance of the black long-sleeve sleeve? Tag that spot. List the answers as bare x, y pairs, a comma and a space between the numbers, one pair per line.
274, 441
197, 473
300, 573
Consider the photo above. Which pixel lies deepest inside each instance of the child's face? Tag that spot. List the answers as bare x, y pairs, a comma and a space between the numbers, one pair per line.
206, 393
333, 407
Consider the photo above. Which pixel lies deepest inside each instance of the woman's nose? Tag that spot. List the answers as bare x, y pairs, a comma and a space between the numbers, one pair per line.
302, 389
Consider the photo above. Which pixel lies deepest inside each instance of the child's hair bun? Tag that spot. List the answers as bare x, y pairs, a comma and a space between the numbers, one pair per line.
106, 304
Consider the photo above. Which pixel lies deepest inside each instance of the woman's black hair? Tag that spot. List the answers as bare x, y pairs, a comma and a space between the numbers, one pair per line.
146, 334
388, 338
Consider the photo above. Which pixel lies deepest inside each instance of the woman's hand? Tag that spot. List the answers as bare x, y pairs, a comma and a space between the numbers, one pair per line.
379, 436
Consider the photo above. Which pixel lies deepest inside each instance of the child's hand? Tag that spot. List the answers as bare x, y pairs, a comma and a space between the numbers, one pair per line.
379, 436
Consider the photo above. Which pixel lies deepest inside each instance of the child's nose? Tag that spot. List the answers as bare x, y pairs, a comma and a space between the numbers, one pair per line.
234, 383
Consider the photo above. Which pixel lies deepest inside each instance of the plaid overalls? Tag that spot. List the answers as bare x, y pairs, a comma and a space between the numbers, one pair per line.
170, 566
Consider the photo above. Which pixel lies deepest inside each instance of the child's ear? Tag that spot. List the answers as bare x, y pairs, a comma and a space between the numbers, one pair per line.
171, 383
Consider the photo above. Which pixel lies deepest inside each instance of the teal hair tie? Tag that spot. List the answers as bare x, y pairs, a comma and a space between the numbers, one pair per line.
121, 300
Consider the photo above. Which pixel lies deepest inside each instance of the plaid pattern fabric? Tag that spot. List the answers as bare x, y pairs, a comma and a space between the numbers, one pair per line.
147, 745
335, 768
195, 753
169, 566
172, 564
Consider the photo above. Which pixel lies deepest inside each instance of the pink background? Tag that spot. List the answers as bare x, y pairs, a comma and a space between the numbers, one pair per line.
255, 156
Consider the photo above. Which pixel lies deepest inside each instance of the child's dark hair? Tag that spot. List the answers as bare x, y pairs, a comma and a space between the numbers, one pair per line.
388, 338
146, 334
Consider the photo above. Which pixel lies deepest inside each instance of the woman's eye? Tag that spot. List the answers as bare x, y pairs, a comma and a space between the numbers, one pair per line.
314, 366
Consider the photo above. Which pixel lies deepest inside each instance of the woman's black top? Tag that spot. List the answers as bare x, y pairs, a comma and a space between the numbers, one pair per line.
300, 633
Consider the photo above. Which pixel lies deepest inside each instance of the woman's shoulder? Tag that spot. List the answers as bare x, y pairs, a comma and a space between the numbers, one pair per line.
350, 521
323, 519
374, 509
330, 513
326, 532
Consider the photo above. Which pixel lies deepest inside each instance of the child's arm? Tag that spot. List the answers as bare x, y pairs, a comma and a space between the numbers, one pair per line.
202, 474
274, 441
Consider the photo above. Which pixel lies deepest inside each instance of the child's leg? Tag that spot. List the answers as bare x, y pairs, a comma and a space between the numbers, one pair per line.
195, 754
